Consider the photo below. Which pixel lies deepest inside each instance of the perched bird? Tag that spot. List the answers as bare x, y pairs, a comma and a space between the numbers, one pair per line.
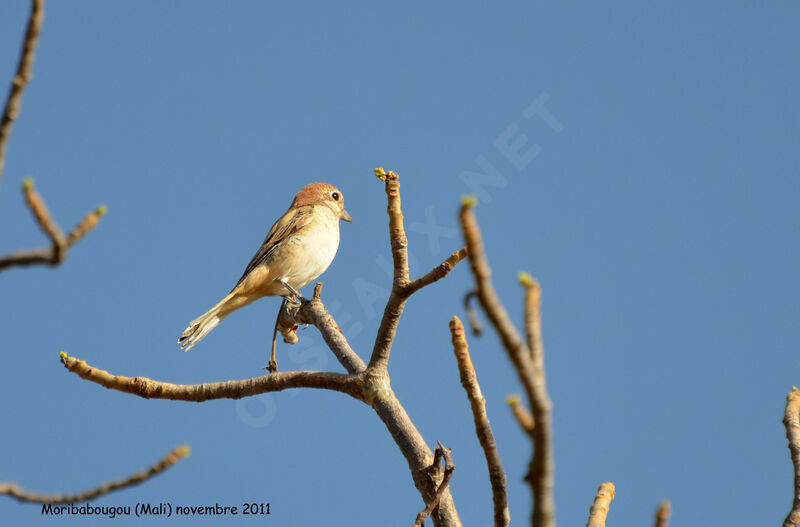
298, 248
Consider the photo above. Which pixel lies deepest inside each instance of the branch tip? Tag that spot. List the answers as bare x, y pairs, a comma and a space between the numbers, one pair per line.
527, 280
523, 416
599, 510
469, 202
663, 514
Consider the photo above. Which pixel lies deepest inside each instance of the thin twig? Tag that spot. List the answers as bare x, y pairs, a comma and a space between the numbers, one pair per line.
599, 510
524, 417
529, 364
469, 380
472, 314
449, 467
272, 365
274, 382
397, 231
533, 318
84, 226
23, 258
21, 78
42, 214
663, 514
792, 423
15, 491
438, 272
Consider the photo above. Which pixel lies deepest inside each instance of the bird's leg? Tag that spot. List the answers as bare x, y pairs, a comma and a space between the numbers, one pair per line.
273, 361
292, 290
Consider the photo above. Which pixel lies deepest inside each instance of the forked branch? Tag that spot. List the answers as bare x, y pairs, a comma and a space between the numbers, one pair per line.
402, 286
60, 243
441, 453
56, 253
528, 361
368, 384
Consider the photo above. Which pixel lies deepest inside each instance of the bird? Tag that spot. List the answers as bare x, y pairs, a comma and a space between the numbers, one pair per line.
297, 249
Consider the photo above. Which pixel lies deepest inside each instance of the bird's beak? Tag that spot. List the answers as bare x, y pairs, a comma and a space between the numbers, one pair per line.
346, 216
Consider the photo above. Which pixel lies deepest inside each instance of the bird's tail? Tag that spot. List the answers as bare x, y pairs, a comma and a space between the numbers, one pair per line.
202, 325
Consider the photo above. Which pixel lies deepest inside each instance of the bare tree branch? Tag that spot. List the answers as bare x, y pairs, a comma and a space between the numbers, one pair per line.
449, 467
373, 388
469, 380
438, 272
528, 362
21, 78
57, 252
472, 315
524, 417
88, 223
314, 312
402, 286
599, 510
397, 231
369, 384
412, 445
42, 214
663, 514
491, 303
275, 382
15, 491
533, 320
792, 423
397, 301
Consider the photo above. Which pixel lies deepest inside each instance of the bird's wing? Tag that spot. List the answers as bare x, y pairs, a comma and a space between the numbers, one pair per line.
286, 226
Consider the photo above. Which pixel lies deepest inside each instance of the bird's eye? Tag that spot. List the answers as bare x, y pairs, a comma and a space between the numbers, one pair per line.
335, 196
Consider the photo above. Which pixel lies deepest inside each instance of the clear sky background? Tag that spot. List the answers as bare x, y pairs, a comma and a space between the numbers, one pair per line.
661, 220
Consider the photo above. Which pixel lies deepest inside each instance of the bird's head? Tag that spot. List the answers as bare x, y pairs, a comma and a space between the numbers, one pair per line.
323, 194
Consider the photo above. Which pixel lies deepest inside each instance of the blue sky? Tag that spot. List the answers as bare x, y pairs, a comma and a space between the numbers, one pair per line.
661, 219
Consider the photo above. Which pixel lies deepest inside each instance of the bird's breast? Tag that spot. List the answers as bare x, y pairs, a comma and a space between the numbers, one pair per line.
311, 251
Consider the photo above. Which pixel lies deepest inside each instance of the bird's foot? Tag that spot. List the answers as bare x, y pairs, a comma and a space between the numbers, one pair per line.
294, 299
293, 292
272, 366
